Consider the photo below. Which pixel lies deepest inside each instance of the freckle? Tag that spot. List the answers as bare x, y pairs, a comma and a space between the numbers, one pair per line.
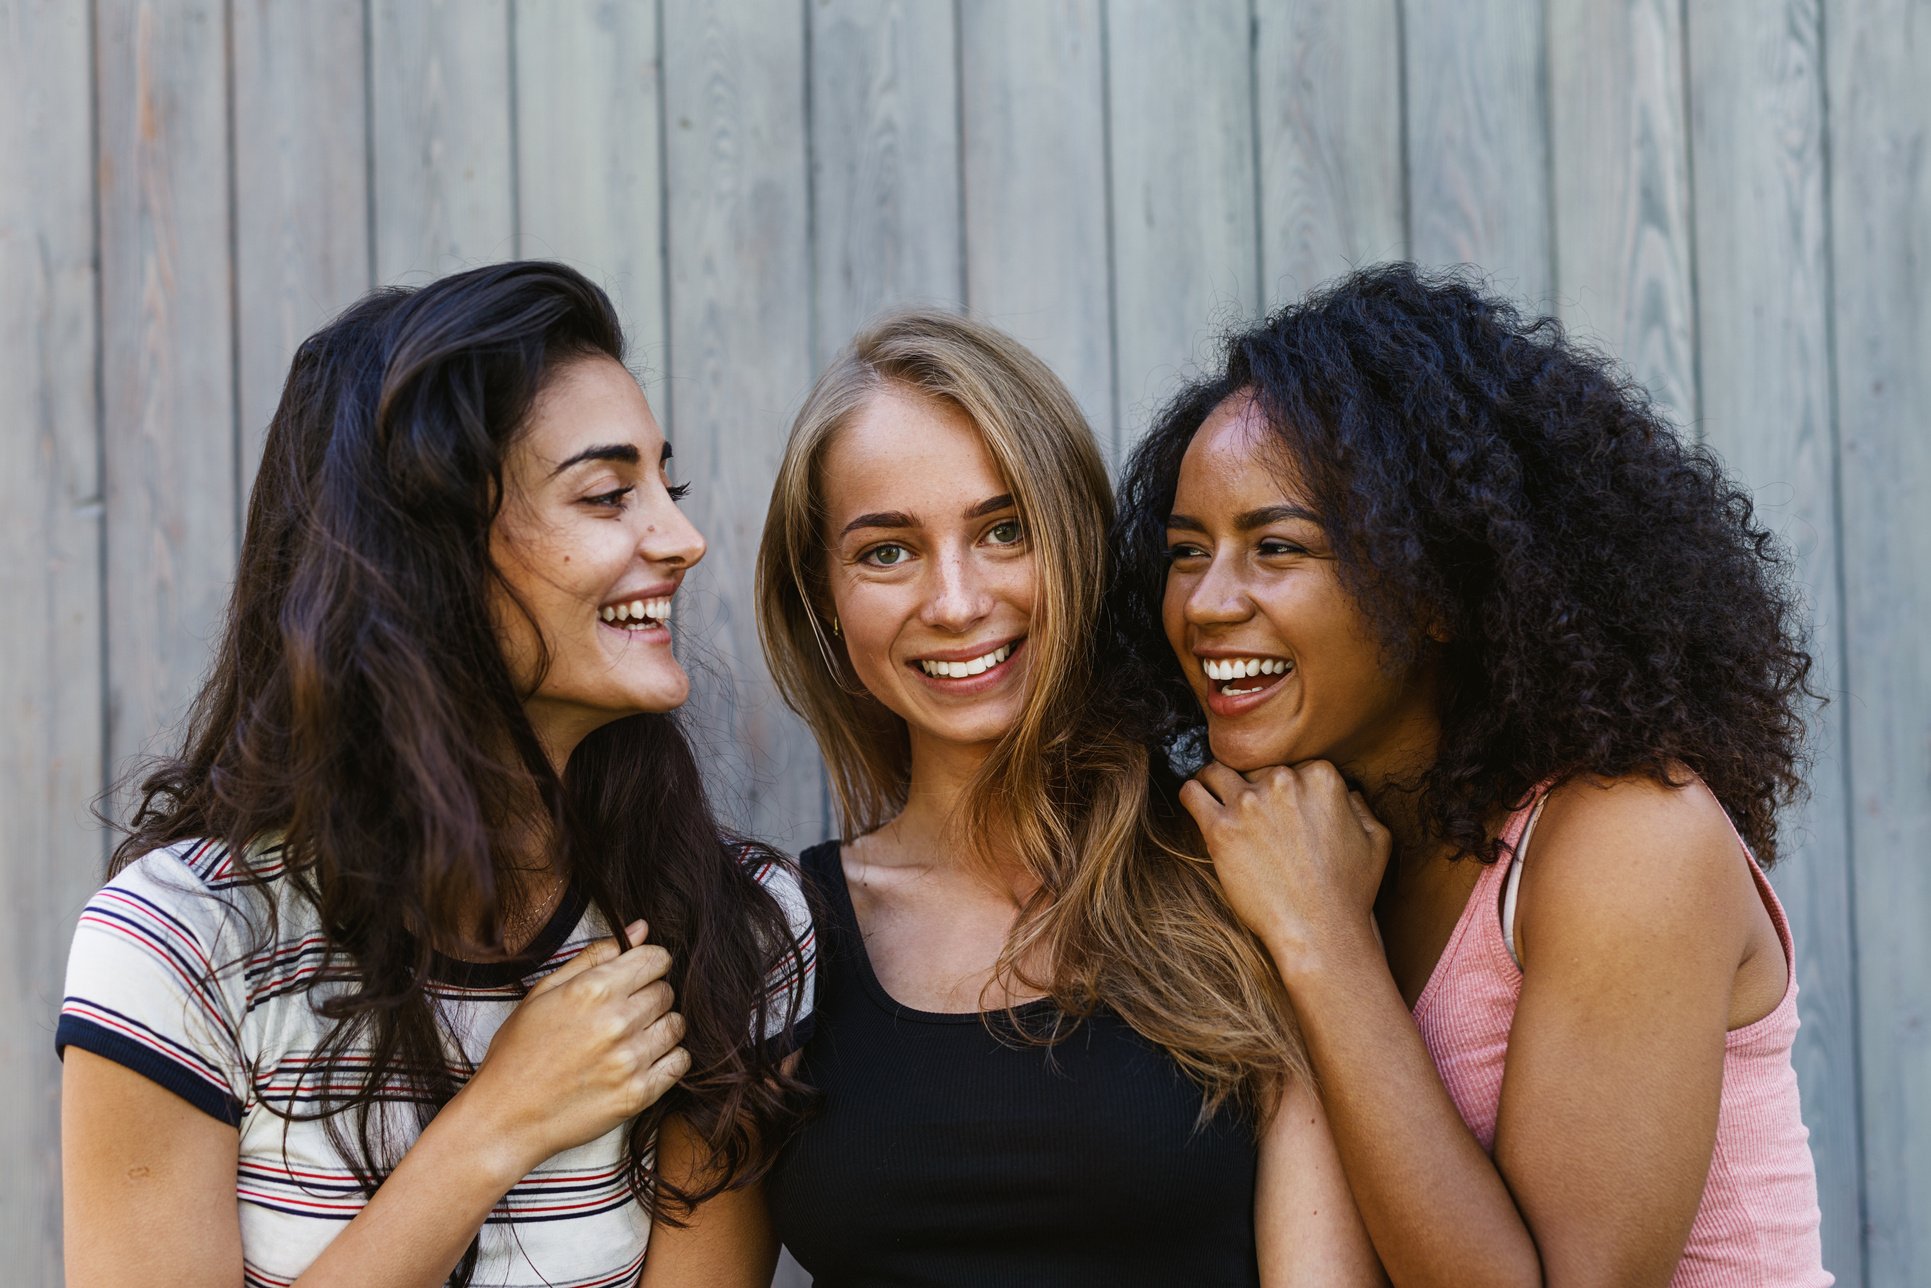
138, 1173
566, 559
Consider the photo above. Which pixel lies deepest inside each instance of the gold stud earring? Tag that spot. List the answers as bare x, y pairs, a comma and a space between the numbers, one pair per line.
834, 627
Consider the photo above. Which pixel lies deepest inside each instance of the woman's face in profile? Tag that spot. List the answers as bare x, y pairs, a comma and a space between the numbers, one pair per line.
930, 572
1277, 651
590, 542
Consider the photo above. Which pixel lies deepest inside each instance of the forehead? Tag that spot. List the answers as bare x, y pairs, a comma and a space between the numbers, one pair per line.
586, 402
906, 452
1236, 459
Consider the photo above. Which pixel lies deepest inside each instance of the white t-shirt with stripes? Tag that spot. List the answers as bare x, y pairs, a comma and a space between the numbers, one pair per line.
168, 977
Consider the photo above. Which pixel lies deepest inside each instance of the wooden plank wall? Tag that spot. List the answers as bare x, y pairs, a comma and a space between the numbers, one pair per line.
1731, 195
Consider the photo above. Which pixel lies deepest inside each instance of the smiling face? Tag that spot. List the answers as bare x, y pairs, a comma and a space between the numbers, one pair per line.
1284, 662
591, 543
930, 574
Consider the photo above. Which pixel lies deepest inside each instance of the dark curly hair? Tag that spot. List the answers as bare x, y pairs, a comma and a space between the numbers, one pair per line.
1612, 605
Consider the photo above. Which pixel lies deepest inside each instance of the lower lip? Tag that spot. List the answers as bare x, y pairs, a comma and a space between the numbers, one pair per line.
655, 633
968, 685
1227, 706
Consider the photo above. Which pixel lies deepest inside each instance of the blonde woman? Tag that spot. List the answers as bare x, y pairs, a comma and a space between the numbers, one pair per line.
1047, 1050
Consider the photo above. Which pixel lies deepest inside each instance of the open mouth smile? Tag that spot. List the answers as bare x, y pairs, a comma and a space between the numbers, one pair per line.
1239, 683
633, 615
973, 672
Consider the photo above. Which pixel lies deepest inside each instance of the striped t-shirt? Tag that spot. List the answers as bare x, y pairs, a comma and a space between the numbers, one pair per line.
168, 977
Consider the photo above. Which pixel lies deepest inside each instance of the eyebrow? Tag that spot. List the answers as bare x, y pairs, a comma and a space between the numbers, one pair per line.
624, 452
900, 519
1252, 519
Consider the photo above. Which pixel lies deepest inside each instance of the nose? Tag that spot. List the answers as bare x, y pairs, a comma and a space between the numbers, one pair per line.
1218, 598
669, 536
957, 597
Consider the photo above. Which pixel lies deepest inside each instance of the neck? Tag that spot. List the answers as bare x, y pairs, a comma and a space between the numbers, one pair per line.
934, 820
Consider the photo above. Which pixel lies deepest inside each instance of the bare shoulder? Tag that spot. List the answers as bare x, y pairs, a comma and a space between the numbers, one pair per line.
1630, 856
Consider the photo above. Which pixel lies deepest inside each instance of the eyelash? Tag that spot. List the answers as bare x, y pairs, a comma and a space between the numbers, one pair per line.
614, 499
1272, 546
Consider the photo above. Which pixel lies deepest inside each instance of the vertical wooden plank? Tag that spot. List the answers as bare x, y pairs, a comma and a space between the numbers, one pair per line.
1757, 133
1036, 218
1620, 152
50, 526
740, 292
1880, 138
1478, 149
440, 119
589, 157
167, 340
884, 162
1180, 99
302, 191
1328, 102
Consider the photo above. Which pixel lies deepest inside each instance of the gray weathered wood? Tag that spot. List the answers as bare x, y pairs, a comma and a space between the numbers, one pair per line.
1620, 156
1036, 219
885, 197
1181, 106
302, 190
740, 278
440, 95
589, 129
1757, 122
1880, 202
50, 651
1477, 153
167, 337
1328, 108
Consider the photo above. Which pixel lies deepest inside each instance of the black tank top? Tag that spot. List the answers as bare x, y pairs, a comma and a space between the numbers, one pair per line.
945, 1155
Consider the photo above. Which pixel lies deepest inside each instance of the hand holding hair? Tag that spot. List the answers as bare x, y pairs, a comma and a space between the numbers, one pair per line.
594, 1043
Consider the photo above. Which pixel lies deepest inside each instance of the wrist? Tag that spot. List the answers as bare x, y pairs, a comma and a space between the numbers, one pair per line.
1306, 955
499, 1153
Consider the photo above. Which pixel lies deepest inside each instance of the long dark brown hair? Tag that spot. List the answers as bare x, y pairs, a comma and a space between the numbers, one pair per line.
360, 708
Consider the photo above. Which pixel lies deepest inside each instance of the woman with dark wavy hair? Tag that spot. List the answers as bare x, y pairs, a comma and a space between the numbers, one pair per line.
1410, 542
379, 989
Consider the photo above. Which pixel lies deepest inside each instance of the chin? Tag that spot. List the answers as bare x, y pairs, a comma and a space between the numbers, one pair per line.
1245, 753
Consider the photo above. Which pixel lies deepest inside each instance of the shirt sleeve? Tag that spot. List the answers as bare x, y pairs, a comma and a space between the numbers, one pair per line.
155, 982
790, 983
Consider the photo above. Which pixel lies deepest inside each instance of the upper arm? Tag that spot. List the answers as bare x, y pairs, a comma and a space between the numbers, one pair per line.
147, 1182
726, 1243
1306, 1227
1632, 927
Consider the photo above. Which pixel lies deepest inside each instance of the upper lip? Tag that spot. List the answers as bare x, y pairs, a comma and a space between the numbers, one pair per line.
966, 654
1234, 654
663, 590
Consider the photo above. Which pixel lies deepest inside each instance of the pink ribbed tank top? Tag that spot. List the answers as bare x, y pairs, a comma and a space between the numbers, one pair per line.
1758, 1224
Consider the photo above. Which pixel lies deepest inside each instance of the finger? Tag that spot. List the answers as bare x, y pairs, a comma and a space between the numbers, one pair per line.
1222, 782
1199, 802
1369, 823
658, 1040
660, 1077
649, 1003
600, 953
645, 964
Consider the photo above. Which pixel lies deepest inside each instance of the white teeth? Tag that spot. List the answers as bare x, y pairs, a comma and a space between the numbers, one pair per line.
960, 670
1241, 668
637, 612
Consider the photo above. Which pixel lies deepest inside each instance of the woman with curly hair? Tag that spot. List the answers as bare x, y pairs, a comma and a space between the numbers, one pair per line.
378, 991
1410, 542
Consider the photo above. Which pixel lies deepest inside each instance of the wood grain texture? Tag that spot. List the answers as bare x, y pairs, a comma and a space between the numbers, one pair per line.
1181, 105
440, 93
1880, 193
50, 651
167, 343
1757, 131
301, 191
1327, 94
1620, 158
1478, 151
1031, 78
885, 166
590, 178
740, 292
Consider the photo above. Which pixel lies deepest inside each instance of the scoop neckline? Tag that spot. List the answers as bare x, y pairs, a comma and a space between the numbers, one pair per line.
833, 857
463, 973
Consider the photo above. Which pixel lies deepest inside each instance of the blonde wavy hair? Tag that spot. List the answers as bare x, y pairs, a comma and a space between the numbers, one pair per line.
1127, 912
